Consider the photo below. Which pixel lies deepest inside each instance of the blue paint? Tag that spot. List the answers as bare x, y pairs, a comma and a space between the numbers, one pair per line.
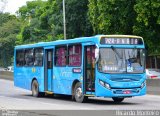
49, 79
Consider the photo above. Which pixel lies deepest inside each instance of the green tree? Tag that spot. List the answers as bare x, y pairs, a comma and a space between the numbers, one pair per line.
8, 34
32, 30
46, 22
30, 9
112, 16
4, 17
77, 21
148, 22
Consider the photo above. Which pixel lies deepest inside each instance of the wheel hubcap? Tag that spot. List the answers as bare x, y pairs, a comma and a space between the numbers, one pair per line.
79, 92
34, 89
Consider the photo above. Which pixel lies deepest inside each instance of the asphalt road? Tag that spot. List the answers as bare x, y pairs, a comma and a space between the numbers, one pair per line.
16, 99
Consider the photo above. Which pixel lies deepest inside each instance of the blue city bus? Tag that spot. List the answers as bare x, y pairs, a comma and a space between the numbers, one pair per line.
110, 66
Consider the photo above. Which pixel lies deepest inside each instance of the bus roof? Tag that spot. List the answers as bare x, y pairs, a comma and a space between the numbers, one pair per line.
58, 42
75, 40
121, 36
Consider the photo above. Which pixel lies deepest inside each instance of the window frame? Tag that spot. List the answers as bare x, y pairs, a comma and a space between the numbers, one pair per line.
55, 55
42, 56
74, 54
32, 57
23, 52
125, 67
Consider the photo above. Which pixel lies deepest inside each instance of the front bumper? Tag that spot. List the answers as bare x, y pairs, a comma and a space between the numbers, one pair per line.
120, 92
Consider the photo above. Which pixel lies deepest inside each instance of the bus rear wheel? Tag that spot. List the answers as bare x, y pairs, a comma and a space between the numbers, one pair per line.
35, 89
117, 99
78, 93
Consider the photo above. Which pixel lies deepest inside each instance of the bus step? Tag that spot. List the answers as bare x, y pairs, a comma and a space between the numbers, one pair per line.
48, 92
89, 95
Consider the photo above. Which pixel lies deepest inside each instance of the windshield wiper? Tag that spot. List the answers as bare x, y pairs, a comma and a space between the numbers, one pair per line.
115, 51
134, 52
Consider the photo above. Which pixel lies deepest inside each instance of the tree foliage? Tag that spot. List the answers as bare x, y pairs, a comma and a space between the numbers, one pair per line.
112, 16
139, 17
78, 23
45, 20
9, 29
148, 22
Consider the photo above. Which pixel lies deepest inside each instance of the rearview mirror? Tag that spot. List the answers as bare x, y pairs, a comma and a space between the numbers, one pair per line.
96, 53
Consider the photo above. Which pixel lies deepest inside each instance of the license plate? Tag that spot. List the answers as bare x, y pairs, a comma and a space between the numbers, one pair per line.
127, 92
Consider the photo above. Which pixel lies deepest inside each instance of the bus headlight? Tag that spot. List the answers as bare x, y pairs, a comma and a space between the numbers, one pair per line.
143, 84
104, 84
101, 82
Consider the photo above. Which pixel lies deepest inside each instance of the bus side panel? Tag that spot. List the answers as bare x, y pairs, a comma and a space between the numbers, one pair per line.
62, 87
18, 75
63, 78
38, 74
19, 79
23, 77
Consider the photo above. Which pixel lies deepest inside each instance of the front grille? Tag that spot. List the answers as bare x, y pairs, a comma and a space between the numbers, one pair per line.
126, 78
125, 88
123, 91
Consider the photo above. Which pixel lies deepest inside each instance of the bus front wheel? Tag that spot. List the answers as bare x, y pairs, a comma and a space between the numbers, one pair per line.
35, 89
117, 99
79, 96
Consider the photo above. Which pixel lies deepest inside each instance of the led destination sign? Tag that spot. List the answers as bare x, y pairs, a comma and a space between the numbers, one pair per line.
128, 41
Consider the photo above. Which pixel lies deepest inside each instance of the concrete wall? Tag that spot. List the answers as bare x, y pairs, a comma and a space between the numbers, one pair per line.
6, 75
153, 86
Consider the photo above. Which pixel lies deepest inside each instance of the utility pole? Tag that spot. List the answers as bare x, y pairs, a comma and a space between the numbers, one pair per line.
64, 19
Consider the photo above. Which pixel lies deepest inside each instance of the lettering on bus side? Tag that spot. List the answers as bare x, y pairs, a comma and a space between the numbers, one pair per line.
65, 73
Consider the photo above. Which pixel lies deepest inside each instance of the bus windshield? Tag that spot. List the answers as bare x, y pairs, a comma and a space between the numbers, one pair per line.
115, 60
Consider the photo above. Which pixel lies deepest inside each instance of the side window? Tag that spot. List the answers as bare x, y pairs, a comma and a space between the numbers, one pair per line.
75, 53
38, 59
19, 58
49, 59
61, 56
29, 57
90, 56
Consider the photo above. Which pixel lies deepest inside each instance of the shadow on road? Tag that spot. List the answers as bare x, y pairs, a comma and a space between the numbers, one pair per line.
95, 101
108, 102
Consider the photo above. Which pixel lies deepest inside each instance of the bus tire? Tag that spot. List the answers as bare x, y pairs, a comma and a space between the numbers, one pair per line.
117, 99
35, 89
78, 93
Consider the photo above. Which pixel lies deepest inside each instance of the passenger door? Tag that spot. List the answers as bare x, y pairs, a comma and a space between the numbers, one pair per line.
48, 69
89, 69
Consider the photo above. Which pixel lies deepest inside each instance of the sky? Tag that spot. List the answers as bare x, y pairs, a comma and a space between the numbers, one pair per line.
13, 5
